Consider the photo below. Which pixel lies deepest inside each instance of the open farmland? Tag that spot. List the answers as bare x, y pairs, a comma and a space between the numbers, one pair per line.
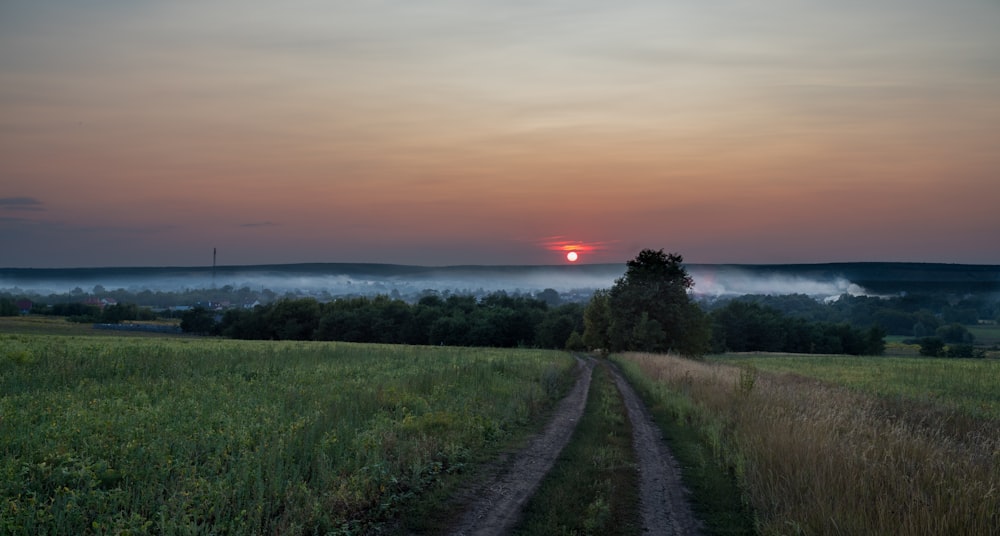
105, 434
986, 334
971, 386
818, 457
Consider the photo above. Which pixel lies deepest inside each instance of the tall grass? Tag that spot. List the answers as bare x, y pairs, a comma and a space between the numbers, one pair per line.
971, 386
184, 436
815, 458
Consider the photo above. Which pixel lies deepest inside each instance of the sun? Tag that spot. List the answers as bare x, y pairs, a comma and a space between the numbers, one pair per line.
572, 256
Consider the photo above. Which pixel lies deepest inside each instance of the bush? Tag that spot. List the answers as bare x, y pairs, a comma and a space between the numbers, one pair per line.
932, 347
962, 350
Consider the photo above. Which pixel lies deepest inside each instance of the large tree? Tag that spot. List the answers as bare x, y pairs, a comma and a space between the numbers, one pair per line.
597, 321
650, 309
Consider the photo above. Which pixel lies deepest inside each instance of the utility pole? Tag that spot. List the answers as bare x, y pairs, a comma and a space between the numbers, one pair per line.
213, 268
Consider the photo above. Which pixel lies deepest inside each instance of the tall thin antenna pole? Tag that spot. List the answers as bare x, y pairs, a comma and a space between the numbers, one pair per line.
213, 267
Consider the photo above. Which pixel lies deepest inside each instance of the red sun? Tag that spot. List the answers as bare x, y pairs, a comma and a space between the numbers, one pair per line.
572, 256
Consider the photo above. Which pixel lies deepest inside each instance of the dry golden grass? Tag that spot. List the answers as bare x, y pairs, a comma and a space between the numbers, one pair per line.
814, 458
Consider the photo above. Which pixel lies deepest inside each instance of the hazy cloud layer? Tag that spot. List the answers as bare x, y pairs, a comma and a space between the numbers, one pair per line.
21, 203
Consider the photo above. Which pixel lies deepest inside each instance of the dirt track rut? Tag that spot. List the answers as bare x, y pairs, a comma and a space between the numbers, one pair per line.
498, 506
663, 498
664, 506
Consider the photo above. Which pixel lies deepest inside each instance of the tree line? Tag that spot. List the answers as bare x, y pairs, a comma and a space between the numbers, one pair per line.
910, 315
84, 313
497, 319
649, 309
747, 326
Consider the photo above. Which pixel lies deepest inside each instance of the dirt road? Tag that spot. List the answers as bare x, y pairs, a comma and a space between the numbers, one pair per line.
498, 503
663, 498
497, 507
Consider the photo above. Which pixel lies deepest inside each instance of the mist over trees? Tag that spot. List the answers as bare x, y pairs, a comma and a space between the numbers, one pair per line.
652, 307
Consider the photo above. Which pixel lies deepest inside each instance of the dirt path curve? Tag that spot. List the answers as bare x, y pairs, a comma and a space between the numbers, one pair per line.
498, 505
663, 498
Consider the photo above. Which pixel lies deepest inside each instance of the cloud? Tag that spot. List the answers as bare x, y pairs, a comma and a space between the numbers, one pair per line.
562, 243
21, 203
259, 224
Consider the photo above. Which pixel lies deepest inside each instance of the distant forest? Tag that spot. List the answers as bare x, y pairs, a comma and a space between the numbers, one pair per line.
931, 313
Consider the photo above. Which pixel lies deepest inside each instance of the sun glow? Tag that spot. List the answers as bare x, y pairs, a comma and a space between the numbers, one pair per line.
572, 249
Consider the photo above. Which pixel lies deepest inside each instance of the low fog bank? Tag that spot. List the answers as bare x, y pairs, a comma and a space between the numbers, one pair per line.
573, 282
723, 281
325, 281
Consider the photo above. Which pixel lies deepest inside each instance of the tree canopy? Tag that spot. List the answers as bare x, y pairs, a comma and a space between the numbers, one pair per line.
648, 309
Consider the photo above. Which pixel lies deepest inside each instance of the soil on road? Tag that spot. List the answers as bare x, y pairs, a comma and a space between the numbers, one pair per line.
663, 498
498, 501
498, 504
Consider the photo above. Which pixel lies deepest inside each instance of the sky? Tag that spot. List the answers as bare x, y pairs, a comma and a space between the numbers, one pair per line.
147, 133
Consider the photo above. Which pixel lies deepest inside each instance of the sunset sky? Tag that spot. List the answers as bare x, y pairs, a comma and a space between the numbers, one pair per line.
142, 133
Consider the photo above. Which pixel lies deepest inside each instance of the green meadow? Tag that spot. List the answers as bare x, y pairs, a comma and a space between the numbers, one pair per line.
986, 334
969, 385
107, 435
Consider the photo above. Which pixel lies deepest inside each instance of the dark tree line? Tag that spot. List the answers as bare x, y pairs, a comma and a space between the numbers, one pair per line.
912, 315
8, 307
496, 320
87, 313
747, 326
649, 309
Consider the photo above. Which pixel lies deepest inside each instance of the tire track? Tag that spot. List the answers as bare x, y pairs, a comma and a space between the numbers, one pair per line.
500, 500
663, 498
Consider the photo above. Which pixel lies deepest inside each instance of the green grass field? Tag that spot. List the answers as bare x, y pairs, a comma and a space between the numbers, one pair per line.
986, 335
970, 385
103, 434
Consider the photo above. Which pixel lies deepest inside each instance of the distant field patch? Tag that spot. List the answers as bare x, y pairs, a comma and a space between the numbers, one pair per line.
986, 334
114, 434
969, 385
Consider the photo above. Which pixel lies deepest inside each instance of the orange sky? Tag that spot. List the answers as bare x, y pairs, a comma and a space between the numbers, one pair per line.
472, 132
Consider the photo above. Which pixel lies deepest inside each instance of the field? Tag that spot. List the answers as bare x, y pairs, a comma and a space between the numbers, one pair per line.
103, 434
882, 446
986, 335
968, 385
108, 434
